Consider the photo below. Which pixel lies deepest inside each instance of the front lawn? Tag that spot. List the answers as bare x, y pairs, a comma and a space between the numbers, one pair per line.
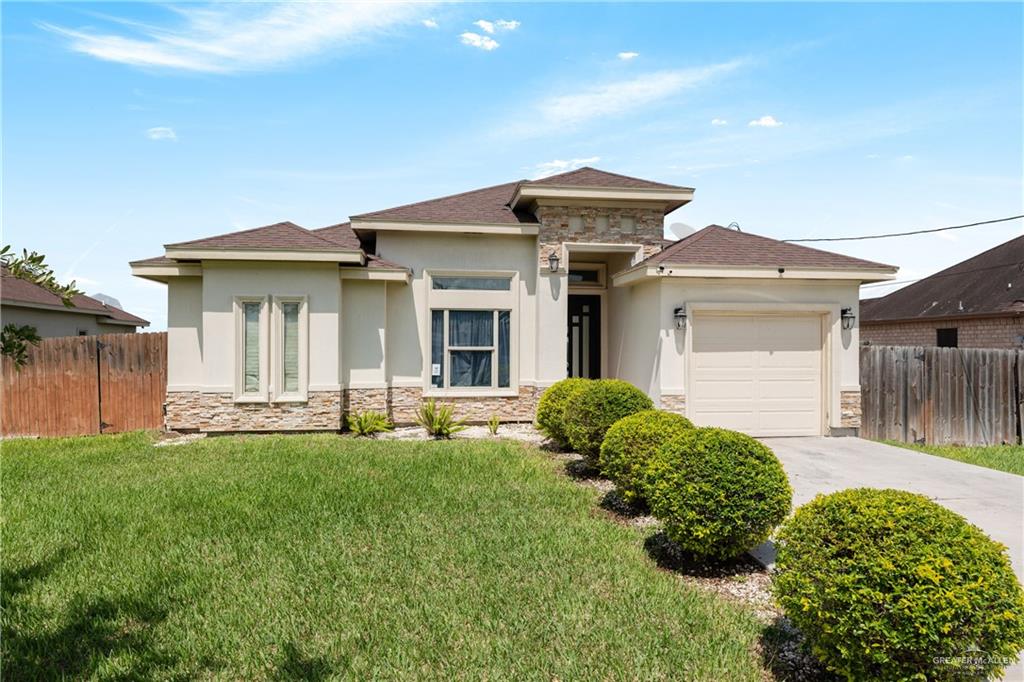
1009, 458
318, 556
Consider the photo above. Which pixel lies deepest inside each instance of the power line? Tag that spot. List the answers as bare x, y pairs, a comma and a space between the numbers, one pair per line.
905, 234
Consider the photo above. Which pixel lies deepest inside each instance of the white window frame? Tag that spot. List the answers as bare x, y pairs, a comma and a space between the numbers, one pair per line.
277, 392
262, 395
475, 299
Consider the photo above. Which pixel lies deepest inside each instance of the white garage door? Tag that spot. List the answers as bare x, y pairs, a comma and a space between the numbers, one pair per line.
758, 374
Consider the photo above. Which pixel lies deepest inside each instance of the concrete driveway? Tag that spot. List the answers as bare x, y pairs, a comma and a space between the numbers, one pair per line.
991, 500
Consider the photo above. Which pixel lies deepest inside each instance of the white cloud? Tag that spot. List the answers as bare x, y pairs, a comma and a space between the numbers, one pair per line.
549, 168
613, 98
429, 23
162, 133
476, 40
232, 37
719, 122
765, 122
626, 56
499, 25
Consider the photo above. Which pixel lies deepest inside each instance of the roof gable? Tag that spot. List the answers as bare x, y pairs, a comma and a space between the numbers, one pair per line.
285, 235
990, 283
592, 177
719, 246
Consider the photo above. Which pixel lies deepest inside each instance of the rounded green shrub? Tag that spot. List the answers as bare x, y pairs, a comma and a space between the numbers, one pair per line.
888, 585
551, 408
591, 411
718, 492
630, 443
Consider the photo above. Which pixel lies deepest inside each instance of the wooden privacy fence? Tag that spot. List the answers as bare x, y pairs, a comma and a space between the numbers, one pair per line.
77, 385
941, 395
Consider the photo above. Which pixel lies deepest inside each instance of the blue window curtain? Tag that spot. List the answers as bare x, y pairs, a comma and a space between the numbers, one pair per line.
437, 348
504, 331
470, 328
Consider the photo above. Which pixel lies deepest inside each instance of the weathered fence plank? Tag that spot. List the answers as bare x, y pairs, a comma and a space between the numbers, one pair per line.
942, 395
70, 383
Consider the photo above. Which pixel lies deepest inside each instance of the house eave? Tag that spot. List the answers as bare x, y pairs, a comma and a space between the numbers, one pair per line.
991, 314
296, 255
103, 317
162, 273
376, 274
671, 199
642, 272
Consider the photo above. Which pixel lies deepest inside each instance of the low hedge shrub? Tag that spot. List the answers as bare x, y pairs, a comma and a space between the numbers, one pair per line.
718, 492
888, 585
590, 411
630, 443
551, 408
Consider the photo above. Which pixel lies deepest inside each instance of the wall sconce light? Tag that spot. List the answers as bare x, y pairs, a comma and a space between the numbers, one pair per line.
553, 261
679, 315
848, 318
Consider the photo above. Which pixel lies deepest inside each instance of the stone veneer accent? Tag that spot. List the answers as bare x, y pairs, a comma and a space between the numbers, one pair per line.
849, 409
674, 403
405, 400
193, 410
554, 228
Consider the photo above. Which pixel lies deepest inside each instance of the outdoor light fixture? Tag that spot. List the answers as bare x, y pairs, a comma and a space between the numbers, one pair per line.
679, 315
847, 316
553, 262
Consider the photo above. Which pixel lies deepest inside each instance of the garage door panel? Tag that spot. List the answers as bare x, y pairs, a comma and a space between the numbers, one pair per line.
757, 374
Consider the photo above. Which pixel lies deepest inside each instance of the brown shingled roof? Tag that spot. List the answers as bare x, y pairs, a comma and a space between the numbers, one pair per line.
990, 283
14, 290
487, 205
717, 245
286, 235
341, 234
490, 205
592, 177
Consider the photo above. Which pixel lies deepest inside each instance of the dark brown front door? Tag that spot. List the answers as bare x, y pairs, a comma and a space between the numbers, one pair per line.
584, 338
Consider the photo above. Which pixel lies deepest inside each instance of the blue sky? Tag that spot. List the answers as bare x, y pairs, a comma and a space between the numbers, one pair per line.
127, 126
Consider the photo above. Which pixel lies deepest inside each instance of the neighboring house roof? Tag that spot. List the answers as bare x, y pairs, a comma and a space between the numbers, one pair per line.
991, 283
720, 246
491, 205
16, 291
286, 235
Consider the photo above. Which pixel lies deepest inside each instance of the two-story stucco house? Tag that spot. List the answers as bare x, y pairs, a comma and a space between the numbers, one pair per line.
485, 298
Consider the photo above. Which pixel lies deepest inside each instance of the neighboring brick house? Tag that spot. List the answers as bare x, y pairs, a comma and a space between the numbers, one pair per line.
978, 303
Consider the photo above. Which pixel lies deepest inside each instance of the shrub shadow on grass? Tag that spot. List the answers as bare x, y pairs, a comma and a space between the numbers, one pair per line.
581, 469
785, 653
614, 502
669, 556
294, 665
92, 632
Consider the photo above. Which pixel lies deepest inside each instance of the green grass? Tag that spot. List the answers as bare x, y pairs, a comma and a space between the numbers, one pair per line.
1009, 458
321, 557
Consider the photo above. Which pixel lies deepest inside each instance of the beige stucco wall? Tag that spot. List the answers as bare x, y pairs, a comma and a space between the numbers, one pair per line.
184, 334
364, 332
50, 323
223, 281
407, 306
984, 332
